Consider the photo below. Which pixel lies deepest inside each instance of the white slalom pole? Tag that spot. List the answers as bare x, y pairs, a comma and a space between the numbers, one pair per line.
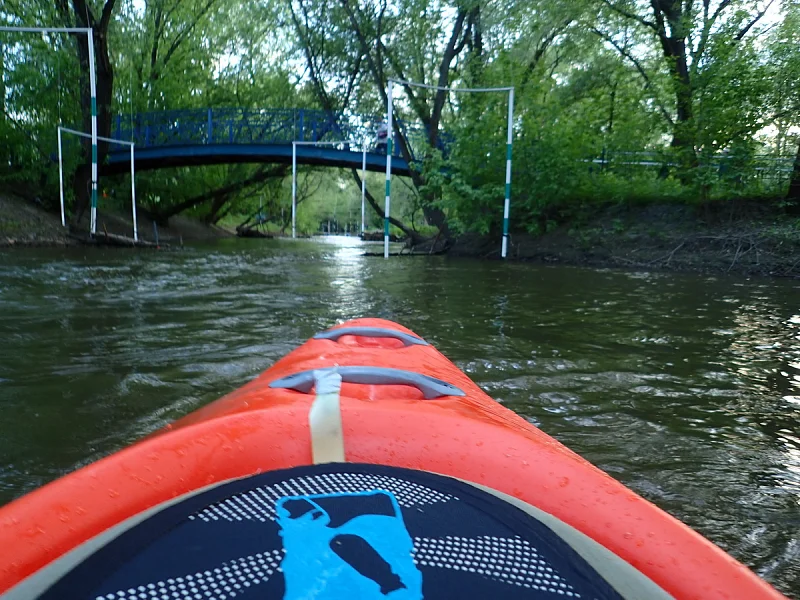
62, 129
294, 189
507, 206
61, 179
363, 181
133, 200
510, 90
388, 201
93, 91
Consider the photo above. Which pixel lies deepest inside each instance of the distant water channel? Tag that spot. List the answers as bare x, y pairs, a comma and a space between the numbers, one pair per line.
686, 388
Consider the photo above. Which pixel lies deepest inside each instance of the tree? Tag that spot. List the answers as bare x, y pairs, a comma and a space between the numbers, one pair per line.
784, 58
421, 48
683, 30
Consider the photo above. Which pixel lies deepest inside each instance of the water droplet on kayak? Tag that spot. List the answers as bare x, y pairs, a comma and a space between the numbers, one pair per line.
651, 534
628, 535
113, 493
563, 482
479, 444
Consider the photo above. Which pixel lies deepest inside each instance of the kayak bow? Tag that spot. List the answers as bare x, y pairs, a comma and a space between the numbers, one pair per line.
397, 427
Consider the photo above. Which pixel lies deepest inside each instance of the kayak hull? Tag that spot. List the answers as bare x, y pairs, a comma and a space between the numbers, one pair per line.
259, 428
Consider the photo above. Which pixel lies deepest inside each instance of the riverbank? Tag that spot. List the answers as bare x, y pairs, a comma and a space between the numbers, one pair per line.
26, 224
744, 238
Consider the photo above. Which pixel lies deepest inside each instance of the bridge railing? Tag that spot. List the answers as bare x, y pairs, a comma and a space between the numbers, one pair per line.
248, 126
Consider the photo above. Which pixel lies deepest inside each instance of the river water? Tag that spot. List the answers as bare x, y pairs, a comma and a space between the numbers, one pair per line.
686, 388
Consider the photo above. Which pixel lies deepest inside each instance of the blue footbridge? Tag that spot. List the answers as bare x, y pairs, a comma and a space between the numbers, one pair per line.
211, 136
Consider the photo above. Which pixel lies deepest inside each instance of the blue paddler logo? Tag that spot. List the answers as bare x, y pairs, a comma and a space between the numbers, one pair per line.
347, 545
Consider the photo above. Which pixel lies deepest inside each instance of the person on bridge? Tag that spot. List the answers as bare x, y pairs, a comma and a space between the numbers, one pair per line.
381, 138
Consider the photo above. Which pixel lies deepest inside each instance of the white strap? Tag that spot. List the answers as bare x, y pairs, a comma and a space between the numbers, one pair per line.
325, 418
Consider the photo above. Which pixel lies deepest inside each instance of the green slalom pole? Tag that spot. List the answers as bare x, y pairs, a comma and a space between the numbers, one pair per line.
93, 90
507, 206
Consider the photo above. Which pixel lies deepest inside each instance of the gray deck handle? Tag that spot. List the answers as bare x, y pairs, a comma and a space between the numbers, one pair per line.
429, 386
377, 332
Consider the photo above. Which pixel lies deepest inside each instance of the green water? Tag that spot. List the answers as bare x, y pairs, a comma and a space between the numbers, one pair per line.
685, 388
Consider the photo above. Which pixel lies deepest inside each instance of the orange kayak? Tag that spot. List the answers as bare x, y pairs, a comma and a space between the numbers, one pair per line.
363, 464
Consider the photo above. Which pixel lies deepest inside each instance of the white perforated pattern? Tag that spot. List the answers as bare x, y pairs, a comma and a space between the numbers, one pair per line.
227, 581
510, 560
259, 503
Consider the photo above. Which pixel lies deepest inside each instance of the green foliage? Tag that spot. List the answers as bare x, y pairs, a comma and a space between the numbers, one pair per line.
596, 101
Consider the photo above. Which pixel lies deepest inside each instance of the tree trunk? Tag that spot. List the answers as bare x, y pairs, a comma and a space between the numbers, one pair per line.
683, 134
794, 184
673, 45
2, 88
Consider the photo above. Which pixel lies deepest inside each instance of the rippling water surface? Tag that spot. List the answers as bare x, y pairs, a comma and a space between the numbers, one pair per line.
685, 388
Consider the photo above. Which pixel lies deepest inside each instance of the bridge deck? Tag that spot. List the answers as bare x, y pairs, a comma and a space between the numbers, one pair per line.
160, 157
208, 136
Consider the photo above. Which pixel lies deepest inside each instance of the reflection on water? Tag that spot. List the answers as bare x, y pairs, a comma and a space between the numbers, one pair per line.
685, 388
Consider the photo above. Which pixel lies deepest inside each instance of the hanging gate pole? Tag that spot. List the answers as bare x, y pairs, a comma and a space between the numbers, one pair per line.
363, 181
61, 180
507, 201
507, 204
93, 91
294, 189
110, 141
388, 201
133, 200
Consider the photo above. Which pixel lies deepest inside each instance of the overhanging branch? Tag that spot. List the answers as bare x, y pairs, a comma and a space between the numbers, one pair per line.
625, 53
